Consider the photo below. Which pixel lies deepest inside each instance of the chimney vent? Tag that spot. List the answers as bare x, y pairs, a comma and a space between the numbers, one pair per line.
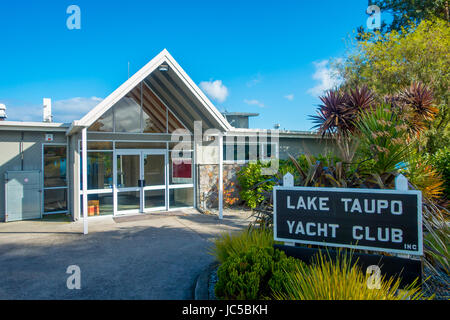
47, 110
2, 112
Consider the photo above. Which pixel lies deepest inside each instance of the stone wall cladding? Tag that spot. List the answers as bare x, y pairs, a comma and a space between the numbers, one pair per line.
208, 179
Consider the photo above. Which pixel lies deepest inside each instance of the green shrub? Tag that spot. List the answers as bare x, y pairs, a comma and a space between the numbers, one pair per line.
382, 137
441, 162
252, 184
234, 244
339, 279
253, 274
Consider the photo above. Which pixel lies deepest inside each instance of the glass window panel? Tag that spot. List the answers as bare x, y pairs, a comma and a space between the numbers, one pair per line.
128, 200
155, 198
128, 171
99, 171
240, 152
182, 144
179, 198
228, 149
55, 200
128, 115
251, 152
154, 112
154, 170
100, 145
98, 205
174, 124
180, 168
269, 150
140, 145
55, 166
104, 123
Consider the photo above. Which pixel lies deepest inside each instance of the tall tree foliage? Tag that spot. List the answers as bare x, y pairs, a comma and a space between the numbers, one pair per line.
406, 11
389, 62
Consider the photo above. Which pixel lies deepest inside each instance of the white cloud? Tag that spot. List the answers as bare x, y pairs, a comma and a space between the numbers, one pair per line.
73, 109
254, 102
215, 90
290, 97
326, 76
65, 110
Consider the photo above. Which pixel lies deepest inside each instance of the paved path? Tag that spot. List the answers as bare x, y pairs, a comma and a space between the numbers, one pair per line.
156, 258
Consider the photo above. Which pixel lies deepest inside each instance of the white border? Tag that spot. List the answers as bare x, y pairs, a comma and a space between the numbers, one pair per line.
418, 252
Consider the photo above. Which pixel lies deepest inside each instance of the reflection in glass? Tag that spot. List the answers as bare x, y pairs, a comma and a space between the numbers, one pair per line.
154, 170
154, 199
128, 115
104, 123
129, 200
99, 171
140, 145
128, 171
55, 200
179, 198
99, 145
54, 166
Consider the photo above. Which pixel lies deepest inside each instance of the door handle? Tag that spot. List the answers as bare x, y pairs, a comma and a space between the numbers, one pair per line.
141, 183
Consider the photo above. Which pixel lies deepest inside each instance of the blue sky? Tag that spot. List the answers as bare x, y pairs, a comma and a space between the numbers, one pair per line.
268, 57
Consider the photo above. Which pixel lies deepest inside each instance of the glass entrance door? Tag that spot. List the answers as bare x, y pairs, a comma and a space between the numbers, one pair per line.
140, 181
154, 174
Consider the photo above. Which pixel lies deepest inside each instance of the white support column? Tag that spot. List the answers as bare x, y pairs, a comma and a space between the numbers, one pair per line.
220, 176
194, 172
288, 181
401, 184
84, 173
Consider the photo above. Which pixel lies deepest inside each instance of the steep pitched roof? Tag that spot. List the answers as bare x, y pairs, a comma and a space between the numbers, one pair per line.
180, 81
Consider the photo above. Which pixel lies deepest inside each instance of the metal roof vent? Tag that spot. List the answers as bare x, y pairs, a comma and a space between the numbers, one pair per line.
2, 112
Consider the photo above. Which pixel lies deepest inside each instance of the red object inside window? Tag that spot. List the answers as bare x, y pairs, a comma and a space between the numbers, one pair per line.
182, 169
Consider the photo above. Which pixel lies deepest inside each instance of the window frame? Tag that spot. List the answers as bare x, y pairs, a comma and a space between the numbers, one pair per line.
261, 145
168, 185
66, 187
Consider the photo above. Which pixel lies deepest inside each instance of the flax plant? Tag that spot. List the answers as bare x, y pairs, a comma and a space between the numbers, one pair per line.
340, 279
233, 244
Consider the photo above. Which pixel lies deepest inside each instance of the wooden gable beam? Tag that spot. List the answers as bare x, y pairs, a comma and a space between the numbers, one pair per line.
160, 125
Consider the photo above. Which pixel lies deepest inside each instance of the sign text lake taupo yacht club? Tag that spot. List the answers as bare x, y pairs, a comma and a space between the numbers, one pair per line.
378, 220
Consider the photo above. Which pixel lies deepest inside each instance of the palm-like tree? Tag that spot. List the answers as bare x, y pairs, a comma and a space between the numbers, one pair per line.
417, 104
340, 110
334, 116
